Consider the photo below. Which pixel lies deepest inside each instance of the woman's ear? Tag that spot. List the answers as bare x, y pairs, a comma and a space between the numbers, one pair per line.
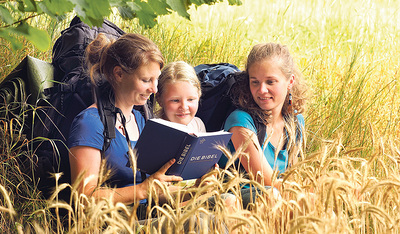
291, 81
118, 72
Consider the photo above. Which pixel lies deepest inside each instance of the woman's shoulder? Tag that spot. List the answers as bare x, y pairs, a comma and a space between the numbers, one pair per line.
86, 129
90, 111
90, 115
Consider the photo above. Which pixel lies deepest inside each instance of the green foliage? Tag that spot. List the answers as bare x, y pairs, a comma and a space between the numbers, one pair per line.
38, 37
55, 9
17, 15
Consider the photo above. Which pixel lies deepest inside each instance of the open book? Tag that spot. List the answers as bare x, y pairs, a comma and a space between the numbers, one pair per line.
195, 153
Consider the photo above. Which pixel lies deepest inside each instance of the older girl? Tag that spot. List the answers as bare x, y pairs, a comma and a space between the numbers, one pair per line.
269, 95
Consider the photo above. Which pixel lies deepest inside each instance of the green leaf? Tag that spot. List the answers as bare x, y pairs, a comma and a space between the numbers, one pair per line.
27, 5
56, 8
5, 15
15, 43
99, 8
117, 3
197, 2
38, 37
180, 7
21, 6
144, 13
126, 12
160, 7
92, 12
235, 2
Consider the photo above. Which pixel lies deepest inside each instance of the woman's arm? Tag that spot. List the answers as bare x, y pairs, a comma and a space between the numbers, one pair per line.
87, 161
256, 162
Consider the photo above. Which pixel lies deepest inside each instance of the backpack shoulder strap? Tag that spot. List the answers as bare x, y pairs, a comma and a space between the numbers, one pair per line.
107, 113
261, 130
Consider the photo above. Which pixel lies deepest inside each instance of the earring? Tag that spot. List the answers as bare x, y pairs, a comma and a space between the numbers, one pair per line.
290, 98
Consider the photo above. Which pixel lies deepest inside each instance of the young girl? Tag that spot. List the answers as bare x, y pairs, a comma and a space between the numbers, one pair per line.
178, 95
270, 94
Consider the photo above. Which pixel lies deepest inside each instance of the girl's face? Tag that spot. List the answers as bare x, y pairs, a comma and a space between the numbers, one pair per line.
268, 85
180, 101
140, 84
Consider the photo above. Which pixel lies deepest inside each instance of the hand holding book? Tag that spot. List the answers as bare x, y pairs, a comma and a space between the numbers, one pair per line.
195, 154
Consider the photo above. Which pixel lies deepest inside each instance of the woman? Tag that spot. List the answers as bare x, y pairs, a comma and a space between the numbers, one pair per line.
270, 95
131, 65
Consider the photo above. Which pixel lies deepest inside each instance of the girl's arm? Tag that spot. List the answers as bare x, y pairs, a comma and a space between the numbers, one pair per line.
86, 161
256, 162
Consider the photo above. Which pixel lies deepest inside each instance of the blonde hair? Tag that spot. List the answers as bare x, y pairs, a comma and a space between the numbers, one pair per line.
175, 72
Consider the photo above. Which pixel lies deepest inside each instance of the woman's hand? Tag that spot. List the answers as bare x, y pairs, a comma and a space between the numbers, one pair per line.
161, 176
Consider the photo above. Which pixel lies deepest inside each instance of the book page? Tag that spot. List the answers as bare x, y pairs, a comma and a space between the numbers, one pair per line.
203, 134
177, 126
184, 128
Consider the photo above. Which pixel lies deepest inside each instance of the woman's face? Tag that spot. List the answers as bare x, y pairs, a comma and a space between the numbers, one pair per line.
137, 86
268, 85
180, 101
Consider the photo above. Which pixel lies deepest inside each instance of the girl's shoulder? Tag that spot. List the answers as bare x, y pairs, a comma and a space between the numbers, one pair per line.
300, 119
239, 114
197, 125
239, 118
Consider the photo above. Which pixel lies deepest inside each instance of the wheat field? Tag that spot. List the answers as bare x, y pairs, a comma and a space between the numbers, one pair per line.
348, 180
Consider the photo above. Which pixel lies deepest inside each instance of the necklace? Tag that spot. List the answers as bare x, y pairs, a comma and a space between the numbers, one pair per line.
121, 127
130, 118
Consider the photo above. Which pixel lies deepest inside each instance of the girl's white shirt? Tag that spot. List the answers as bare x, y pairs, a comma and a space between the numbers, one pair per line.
196, 125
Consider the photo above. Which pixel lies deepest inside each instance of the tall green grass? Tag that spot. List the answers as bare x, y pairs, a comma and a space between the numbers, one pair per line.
348, 52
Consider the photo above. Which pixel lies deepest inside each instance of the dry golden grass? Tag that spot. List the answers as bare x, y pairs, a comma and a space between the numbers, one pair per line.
348, 179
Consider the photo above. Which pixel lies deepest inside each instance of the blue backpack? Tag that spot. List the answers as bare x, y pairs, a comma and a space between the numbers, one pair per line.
217, 81
215, 103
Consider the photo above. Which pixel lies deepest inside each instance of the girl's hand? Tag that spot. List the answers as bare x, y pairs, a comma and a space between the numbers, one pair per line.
199, 180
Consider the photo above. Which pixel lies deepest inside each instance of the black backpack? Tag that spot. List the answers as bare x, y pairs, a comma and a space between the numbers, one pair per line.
55, 105
71, 93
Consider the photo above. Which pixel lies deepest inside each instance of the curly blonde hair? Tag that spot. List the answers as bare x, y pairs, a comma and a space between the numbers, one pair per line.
241, 94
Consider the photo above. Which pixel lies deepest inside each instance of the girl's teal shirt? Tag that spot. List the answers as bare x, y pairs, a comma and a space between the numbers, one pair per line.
240, 118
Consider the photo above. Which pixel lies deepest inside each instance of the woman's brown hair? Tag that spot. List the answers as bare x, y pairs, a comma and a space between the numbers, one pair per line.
130, 51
